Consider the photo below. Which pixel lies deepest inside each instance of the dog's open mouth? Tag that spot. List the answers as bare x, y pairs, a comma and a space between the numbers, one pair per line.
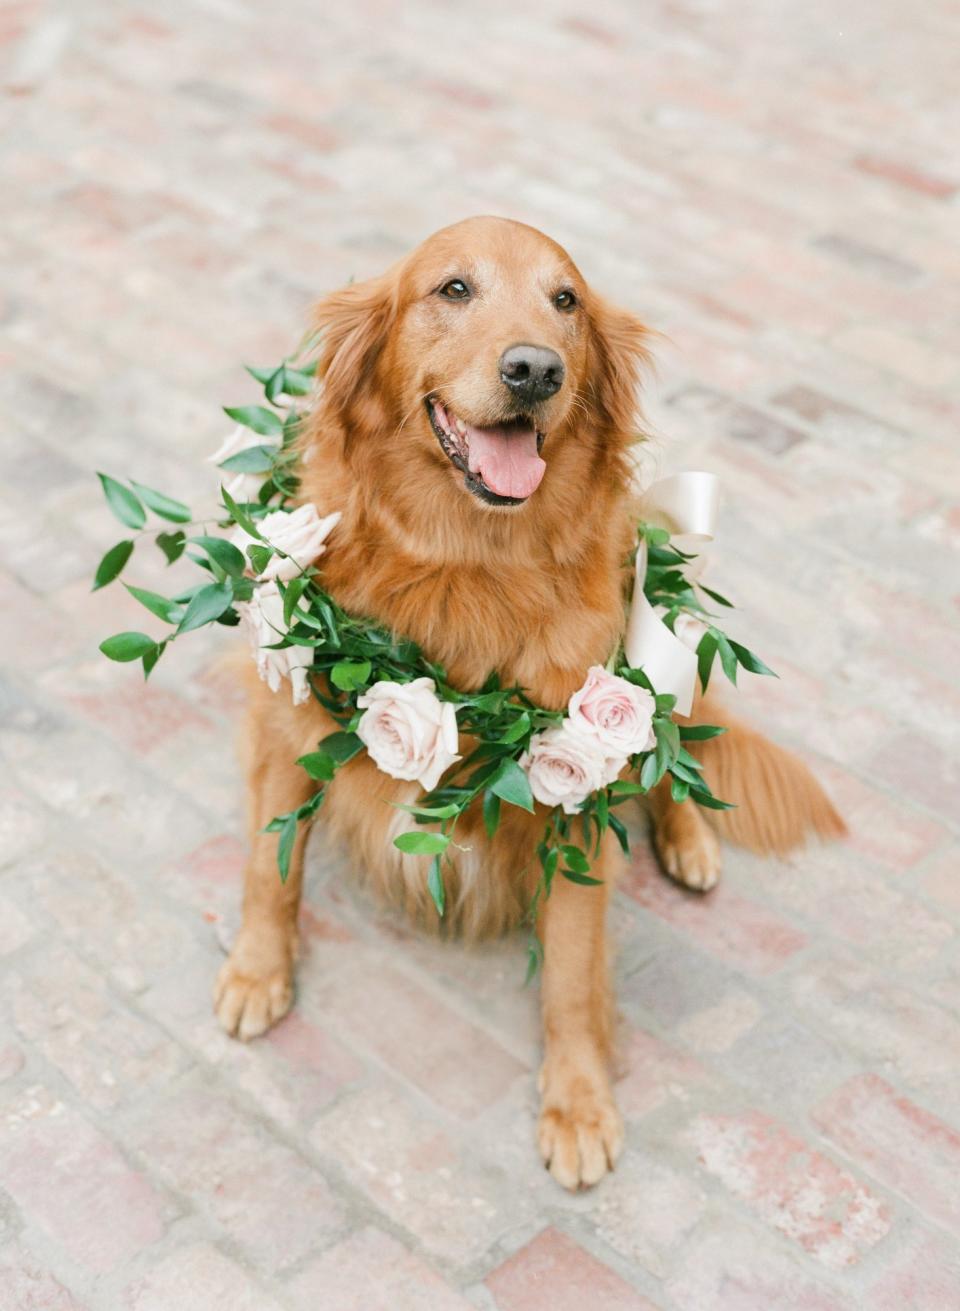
501, 465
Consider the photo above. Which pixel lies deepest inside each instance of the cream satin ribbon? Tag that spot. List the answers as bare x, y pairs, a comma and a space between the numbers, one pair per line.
686, 505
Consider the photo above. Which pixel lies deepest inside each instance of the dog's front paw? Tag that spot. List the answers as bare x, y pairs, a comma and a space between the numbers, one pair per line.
254, 989
580, 1133
689, 850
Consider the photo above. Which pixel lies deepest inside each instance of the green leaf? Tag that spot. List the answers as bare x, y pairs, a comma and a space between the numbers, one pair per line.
623, 837
112, 564
652, 771
534, 960
585, 879
706, 650
700, 732
165, 506
708, 800
623, 787
291, 595
127, 646
274, 385
296, 382
349, 675
256, 417
750, 661
259, 557
728, 658
679, 789
491, 812
435, 885
512, 785
518, 729
253, 459
603, 810
239, 515
122, 502
422, 844
150, 658
429, 812
261, 375
668, 739
229, 557
720, 600
288, 836
341, 747
161, 606
654, 536
576, 859
172, 545
318, 765
207, 605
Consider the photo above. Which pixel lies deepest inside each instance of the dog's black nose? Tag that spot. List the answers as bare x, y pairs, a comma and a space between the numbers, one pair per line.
533, 373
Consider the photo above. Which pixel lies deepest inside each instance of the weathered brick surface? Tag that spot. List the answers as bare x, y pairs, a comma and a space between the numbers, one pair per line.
776, 193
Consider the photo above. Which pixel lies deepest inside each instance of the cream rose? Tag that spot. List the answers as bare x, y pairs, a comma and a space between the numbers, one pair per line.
687, 628
243, 487
616, 713
408, 731
565, 766
300, 534
262, 618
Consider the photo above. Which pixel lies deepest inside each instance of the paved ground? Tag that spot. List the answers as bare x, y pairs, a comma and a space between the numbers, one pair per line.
778, 196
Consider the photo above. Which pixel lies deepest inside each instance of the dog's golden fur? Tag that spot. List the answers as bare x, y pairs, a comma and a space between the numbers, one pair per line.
534, 592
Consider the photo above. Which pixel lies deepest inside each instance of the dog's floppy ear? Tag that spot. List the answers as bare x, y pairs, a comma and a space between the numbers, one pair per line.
353, 324
620, 355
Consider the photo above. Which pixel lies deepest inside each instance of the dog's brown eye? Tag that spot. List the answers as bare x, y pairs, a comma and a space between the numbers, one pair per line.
565, 300
454, 290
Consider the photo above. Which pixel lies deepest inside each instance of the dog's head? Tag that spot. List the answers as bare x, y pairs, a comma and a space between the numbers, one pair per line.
475, 360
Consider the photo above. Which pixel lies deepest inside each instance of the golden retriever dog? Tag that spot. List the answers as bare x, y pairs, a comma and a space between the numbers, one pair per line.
477, 406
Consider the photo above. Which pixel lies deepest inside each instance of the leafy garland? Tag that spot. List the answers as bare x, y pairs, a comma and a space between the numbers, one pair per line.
352, 654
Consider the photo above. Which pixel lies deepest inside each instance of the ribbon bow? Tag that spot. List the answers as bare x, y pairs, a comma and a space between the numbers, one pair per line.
686, 506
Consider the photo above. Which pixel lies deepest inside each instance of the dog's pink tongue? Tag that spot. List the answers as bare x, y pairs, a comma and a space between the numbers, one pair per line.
506, 459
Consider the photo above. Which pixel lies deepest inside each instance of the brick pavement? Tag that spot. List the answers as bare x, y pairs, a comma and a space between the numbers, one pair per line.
777, 191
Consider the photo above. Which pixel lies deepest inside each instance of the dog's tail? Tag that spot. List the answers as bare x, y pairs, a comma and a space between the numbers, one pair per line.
779, 804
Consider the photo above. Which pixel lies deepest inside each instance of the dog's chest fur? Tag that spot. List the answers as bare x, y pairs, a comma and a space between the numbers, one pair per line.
538, 623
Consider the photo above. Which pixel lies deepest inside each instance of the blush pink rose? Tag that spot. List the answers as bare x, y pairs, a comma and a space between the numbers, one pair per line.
262, 619
299, 533
564, 767
617, 714
408, 731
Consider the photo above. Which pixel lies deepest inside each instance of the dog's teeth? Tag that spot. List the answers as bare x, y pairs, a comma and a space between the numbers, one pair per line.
461, 427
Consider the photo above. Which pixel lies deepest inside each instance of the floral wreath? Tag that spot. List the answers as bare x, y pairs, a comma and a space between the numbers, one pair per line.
391, 701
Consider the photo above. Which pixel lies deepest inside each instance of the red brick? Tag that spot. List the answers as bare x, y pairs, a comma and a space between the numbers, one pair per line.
906, 175
553, 1271
197, 1278
272, 1204
904, 1146
26, 1286
942, 880
925, 1276
370, 1271
142, 716
445, 1189
654, 1073
724, 923
72, 1183
791, 1186
732, 1269
108, 1053
452, 1061
882, 1024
